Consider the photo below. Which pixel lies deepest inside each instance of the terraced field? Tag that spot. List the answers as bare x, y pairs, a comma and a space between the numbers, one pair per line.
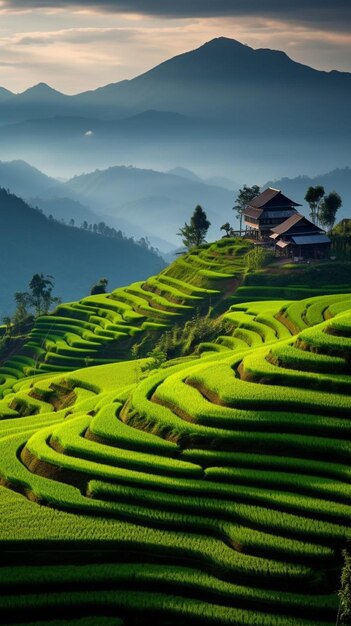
211, 491
102, 329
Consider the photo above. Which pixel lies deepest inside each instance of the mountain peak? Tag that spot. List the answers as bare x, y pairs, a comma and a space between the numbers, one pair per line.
41, 90
224, 42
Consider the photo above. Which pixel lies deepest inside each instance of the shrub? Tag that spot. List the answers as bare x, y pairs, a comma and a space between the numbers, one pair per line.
258, 258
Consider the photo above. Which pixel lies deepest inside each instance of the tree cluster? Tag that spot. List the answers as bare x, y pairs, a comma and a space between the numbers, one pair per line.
99, 287
36, 301
343, 228
323, 208
103, 229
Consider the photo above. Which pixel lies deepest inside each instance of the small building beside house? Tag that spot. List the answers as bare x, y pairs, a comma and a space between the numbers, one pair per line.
267, 210
298, 237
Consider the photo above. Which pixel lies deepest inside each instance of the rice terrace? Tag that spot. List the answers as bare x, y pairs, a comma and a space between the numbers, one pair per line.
175, 313
213, 489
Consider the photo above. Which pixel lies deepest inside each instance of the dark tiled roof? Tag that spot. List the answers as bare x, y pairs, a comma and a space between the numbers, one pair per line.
251, 212
291, 221
266, 197
263, 198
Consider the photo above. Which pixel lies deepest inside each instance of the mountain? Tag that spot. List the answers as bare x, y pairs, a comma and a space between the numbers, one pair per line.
41, 93
65, 209
217, 181
221, 76
31, 243
337, 180
129, 199
33, 103
184, 173
24, 180
157, 202
5, 93
44, 192
223, 108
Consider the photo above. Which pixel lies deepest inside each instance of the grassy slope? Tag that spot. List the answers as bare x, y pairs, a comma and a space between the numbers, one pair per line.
233, 468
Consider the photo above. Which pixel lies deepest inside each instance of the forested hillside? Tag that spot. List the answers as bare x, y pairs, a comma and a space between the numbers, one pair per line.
32, 243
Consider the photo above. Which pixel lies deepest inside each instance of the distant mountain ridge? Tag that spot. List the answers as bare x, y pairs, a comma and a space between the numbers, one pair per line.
156, 201
140, 202
223, 102
222, 61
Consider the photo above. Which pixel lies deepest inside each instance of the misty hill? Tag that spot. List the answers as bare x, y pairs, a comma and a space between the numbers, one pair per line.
337, 180
65, 209
199, 108
24, 180
140, 203
34, 186
63, 143
5, 93
31, 243
184, 172
157, 202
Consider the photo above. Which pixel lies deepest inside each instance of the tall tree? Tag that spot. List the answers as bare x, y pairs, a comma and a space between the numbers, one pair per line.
328, 209
194, 234
313, 198
21, 314
242, 200
40, 295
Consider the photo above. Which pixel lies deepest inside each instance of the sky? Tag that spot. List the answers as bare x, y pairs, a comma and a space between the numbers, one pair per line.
76, 46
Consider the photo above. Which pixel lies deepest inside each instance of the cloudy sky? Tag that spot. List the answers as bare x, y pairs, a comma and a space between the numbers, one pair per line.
75, 46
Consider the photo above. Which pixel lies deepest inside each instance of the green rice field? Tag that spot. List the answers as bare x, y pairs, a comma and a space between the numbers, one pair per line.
215, 489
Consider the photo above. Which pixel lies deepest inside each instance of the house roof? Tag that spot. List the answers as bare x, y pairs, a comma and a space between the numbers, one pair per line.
273, 198
310, 239
284, 227
251, 212
287, 224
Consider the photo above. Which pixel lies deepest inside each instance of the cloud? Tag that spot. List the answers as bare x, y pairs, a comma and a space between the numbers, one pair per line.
77, 36
316, 13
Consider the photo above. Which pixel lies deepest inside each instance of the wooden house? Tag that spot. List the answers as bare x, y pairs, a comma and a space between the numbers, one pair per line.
267, 210
298, 237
